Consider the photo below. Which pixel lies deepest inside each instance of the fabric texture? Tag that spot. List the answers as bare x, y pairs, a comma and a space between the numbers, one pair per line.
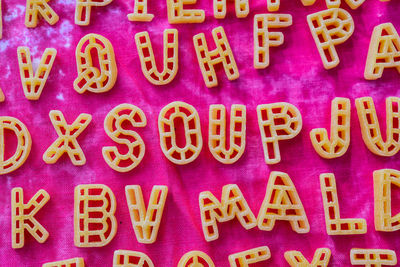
296, 75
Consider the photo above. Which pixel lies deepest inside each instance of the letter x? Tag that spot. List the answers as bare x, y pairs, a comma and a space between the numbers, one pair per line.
66, 141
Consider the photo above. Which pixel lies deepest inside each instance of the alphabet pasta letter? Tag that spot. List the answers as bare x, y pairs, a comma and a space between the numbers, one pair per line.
217, 133
76, 262
370, 128
321, 258
251, 256
191, 123
113, 126
384, 51
140, 12
83, 10
221, 54
373, 257
339, 142
277, 121
23, 147
196, 258
232, 204
334, 224
264, 39
282, 202
177, 14
90, 229
96, 79
148, 62
23, 216
383, 181
33, 83
36, 7
128, 258
66, 141
329, 28
146, 222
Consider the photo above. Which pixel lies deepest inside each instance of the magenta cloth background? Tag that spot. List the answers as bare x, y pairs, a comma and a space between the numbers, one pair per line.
296, 75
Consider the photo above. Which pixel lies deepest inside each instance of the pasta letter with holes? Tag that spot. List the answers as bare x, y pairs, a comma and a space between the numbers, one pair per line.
168, 140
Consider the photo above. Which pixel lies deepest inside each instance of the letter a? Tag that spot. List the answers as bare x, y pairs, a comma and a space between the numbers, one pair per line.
384, 51
282, 202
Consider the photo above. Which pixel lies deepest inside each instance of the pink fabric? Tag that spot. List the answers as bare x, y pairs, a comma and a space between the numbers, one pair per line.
296, 75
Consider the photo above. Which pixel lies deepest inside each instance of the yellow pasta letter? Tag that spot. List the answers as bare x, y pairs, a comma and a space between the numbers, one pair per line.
83, 10
384, 51
33, 83
217, 133
148, 63
373, 257
370, 128
167, 119
177, 14
334, 224
296, 259
232, 204
241, 8
245, 258
96, 79
36, 7
75, 262
94, 222
383, 180
23, 146
113, 126
282, 202
273, 5
340, 131
146, 222
277, 121
23, 217
221, 54
336, 3
140, 12
263, 39
66, 141
196, 258
128, 258
329, 28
